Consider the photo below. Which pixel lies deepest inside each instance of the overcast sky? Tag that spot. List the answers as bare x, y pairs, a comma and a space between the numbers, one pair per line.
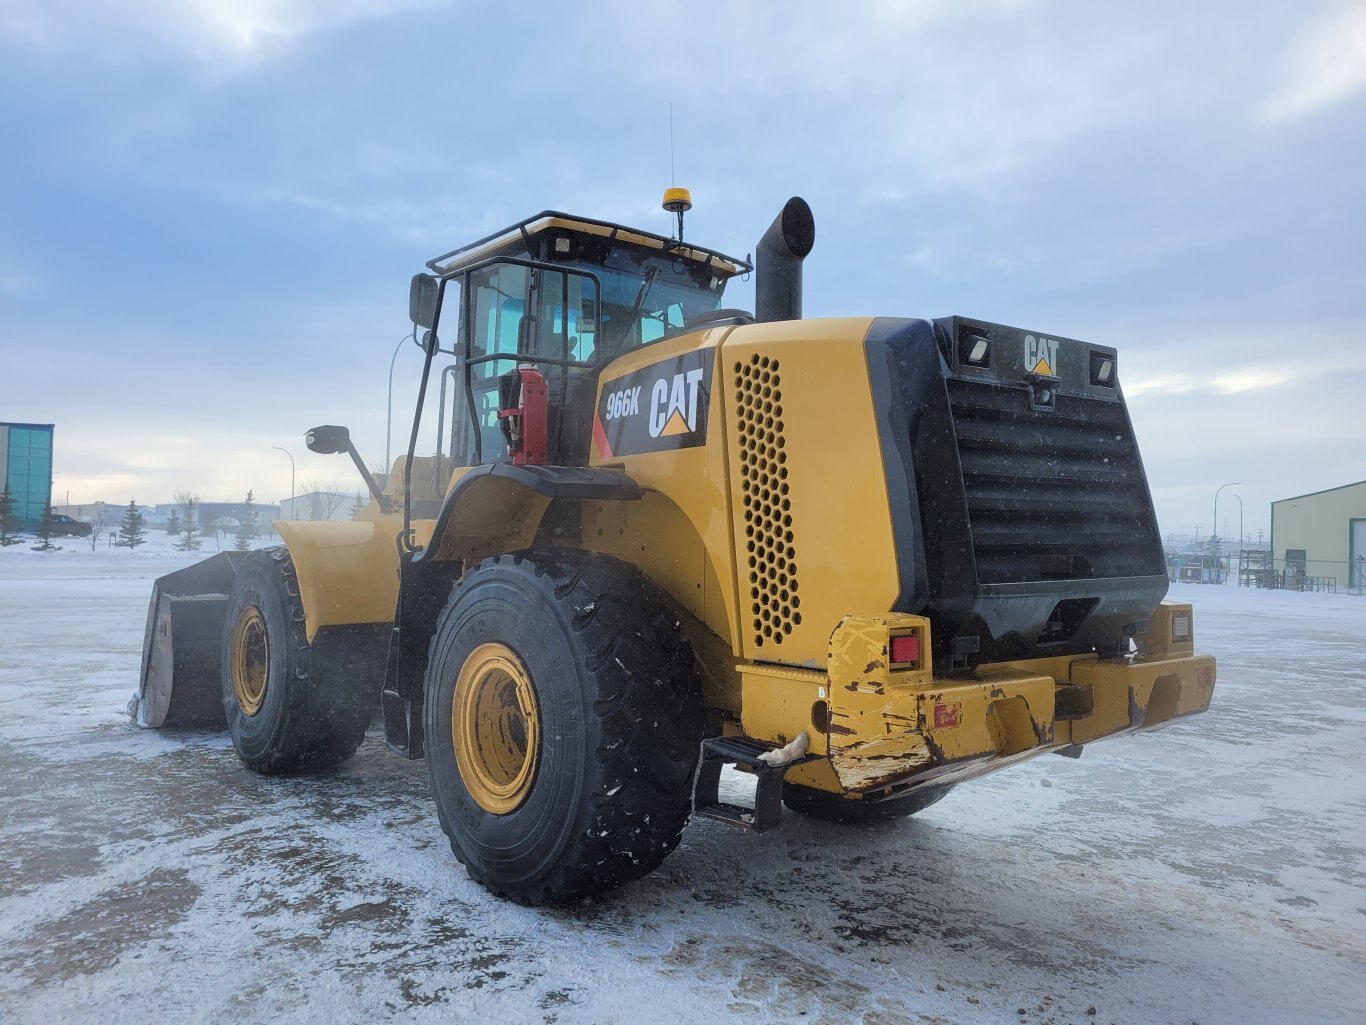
212, 207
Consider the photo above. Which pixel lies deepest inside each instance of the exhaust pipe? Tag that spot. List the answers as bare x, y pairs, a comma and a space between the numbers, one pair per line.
778, 262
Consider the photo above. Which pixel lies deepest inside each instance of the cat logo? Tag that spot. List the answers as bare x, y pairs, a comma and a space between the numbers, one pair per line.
656, 409
673, 404
1041, 355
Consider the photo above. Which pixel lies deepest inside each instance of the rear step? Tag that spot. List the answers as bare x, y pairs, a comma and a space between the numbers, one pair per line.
767, 812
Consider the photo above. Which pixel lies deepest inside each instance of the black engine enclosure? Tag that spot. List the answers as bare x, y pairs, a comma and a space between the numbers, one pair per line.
1024, 528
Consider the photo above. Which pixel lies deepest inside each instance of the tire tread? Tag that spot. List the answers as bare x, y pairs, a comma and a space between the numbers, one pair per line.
649, 722
320, 728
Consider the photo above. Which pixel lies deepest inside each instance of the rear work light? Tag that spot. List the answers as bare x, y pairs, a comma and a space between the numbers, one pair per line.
1103, 369
974, 350
905, 651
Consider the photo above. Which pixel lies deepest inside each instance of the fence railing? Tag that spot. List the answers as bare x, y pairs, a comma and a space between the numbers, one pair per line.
1258, 569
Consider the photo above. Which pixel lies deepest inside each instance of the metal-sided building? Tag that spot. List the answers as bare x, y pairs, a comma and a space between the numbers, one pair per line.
319, 505
1322, 535
26, 467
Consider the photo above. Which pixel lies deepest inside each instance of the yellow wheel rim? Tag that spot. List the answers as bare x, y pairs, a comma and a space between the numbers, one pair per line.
496, 728
250, 660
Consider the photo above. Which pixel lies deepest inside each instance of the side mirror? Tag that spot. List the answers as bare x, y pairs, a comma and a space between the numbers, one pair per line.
422, 300
328, 440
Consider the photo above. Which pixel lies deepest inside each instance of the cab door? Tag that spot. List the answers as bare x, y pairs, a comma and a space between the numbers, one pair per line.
517, 312
496, 300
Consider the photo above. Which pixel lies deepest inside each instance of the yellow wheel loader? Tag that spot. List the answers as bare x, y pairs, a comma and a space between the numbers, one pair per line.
863, 559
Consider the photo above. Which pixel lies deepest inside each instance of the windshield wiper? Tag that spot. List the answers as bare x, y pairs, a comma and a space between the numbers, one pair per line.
640, 298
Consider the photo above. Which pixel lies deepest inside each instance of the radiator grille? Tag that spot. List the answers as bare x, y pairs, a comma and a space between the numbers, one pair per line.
1051, 495
770, 542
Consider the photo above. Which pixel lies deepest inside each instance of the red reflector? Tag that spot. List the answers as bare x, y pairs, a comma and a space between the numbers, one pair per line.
906, 649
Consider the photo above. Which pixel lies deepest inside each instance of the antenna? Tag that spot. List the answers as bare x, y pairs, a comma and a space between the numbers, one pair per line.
677, 201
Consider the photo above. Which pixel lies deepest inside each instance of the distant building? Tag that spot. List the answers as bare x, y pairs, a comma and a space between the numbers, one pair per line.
26, 466
215, 515
319, 505
90, 512
1322, 535
86, 511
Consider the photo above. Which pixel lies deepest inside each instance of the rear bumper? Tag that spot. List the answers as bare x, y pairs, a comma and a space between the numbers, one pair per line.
881, 727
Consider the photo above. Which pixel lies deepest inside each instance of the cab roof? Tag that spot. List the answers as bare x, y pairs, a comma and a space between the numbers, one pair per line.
520, 240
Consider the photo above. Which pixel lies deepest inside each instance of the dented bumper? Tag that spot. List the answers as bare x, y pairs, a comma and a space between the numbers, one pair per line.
882, 725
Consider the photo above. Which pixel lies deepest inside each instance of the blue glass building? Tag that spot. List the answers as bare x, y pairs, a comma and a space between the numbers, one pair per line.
26, 462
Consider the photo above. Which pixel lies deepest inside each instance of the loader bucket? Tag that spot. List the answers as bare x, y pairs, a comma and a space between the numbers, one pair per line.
182, 648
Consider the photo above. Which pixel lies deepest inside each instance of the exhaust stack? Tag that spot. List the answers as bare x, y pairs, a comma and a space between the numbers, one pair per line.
778, 262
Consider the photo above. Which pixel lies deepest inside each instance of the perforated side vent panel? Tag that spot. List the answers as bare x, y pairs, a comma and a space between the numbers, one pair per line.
770, 545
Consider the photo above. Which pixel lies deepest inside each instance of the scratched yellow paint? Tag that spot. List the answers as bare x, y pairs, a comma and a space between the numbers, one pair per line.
886, 727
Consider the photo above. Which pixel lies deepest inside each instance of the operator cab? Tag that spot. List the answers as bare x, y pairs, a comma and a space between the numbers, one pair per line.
565, 295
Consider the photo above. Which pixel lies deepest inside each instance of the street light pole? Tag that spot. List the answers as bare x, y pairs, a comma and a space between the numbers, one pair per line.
1240, 536
293, 513
1218, 576
389, 418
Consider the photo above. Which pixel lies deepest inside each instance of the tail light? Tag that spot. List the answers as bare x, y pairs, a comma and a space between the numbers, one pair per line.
905, 651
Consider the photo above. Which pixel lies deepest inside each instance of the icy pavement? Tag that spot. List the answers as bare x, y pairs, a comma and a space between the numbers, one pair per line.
1212, 872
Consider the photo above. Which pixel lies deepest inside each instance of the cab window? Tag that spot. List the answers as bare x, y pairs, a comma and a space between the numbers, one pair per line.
517, 311
654, 324
497, 307
566, 317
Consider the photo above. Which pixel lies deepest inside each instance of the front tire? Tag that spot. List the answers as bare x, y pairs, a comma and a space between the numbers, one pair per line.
562, 721
280, 716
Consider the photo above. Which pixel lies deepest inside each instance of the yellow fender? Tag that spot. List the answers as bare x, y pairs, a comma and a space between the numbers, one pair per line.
331, 558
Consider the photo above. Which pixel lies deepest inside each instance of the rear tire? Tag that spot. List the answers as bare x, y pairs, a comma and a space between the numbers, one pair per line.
580, 778
828, 807
279, 716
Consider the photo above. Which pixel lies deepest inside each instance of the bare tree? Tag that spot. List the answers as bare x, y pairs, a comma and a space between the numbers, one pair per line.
324, 498
99, 523
328, 503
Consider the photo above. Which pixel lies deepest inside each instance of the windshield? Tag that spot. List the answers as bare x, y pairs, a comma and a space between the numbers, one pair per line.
640, 306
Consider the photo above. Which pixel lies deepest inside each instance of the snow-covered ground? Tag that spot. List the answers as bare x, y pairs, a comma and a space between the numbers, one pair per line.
1211, 872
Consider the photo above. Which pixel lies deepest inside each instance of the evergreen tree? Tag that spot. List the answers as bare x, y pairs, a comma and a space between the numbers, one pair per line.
190, 541
246, 530
45, 532
130, 530
357, 507
173, 524
9, 523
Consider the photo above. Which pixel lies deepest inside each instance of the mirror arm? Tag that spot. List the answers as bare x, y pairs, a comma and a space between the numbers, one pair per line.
406, 538
329, 439
369, 478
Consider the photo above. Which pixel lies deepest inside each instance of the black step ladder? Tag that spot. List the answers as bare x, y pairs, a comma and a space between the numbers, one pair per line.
767, 812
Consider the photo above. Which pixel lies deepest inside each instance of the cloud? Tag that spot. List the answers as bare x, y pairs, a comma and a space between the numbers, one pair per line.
204, 31
1246, 379
1327, 65
14, 280
1230, 382
254, 181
